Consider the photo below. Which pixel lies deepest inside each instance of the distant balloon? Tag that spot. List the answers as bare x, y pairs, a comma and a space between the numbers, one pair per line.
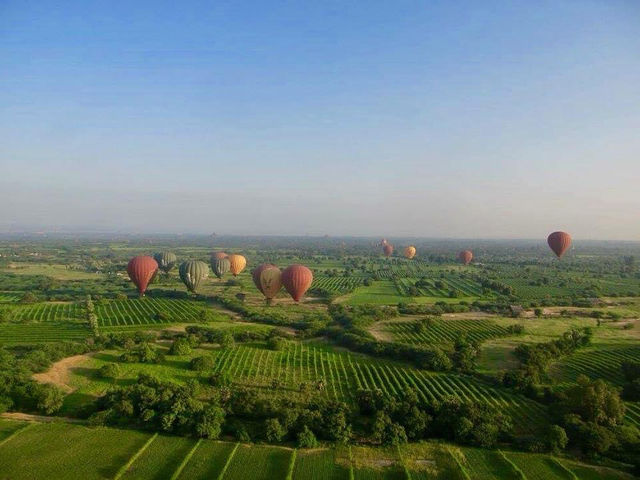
238, 262
270, 281
387, 249
559, 242
410, 252
465, 256
297, 279
192, 272
219, 255
220, 266
166, 261
141, 270
383, 242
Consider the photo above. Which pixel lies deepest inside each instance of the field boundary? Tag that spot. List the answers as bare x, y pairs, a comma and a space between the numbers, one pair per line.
228, 462
185, 460
123, 469
16, 432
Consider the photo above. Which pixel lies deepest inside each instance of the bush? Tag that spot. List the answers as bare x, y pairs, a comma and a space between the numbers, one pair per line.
180, 346
275, 343
202, 363
110, 370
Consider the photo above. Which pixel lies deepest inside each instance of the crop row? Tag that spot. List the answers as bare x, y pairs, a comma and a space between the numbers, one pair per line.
445, 331
147, 311
42, 332
344, 374
597, 363
6, 297
337, 284
49, 312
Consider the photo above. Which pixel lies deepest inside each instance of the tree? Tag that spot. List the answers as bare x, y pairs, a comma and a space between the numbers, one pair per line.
275, 343
594, 401
273, 430
306, 438
110, 371
387, 432
209, 422
49, 399
557, 439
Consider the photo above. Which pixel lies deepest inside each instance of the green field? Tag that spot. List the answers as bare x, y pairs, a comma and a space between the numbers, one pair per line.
64, 451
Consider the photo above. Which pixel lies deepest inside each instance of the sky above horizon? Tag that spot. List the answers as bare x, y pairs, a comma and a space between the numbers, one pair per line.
427, 119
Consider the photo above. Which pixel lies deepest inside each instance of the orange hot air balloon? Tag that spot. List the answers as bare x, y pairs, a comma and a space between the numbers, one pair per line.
238, 262
255, 274
387, 249
219, 255
410, 252
141, 270
270, 282
465, 256
297, 279
559, 242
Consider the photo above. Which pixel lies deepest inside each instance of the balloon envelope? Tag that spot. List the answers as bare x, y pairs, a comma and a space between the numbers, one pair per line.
410, 252
559, 242
387, 249
219, 255
255, 274
192, 272
166, 261
297, 279
270, 281
220, 266
465, 256
238, 262
141, 270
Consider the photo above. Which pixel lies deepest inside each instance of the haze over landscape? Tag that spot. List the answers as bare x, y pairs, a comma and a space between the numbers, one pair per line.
440, 120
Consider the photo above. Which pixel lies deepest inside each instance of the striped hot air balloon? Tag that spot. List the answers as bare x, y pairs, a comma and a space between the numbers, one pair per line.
192, 272
166, 260
141, 270
297, 279
559, 242
220, 266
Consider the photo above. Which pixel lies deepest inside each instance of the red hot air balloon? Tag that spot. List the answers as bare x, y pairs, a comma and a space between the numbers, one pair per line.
387, 249
219, 255
141, 270
297, 279
559, 242
465, 256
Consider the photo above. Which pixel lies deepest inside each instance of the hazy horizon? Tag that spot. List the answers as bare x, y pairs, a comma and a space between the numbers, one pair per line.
439, 120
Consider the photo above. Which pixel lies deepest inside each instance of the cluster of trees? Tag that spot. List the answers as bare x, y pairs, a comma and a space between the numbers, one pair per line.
392, 420
92, 318
18, 390
535, 359
247, 414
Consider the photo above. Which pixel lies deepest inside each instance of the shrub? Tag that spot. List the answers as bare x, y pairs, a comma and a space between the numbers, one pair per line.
202, 363
180, 346
306, 438
273, 430
110, 370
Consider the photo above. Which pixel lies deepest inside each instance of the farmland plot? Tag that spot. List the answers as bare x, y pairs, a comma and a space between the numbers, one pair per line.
147, 311
49, 312
445, 331
42, 332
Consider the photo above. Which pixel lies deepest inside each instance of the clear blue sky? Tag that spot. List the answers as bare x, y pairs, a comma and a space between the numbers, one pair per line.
440, 119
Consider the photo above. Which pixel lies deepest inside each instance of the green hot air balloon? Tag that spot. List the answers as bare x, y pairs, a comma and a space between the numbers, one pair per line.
166, 260
192, 272
220, 266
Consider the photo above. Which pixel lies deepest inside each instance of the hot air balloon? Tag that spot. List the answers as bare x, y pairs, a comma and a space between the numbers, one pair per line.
559, 242
141, 270
238, 262
387, 249
410, 252
255, 274
465, 256
220, 266
219, 255
270, 281
192, 272
383, 242
297, 279
166, 260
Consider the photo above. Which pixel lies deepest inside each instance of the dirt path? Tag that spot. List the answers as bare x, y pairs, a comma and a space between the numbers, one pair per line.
379, 333
27, 417
59, 373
